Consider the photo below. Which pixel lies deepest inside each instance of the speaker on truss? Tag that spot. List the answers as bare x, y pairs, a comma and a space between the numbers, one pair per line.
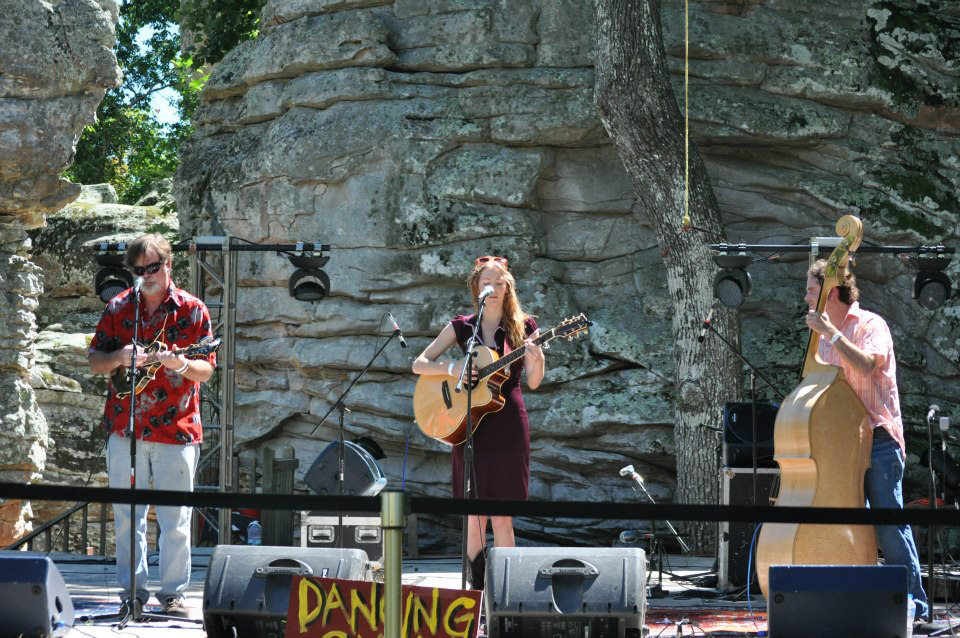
816, 601
565, 591
247, 589
34, 600
362, 473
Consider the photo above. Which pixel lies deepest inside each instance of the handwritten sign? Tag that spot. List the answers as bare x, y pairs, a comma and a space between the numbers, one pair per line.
333, 608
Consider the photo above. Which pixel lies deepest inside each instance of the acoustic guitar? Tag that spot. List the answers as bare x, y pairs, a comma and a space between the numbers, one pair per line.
441, 411
120, 378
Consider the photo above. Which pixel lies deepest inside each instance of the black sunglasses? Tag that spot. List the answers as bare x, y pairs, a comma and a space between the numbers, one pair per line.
149, 269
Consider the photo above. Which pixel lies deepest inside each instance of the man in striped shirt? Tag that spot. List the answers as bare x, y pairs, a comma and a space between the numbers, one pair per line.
859, 341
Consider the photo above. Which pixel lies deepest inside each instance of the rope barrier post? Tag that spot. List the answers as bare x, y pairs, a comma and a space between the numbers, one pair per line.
392, 521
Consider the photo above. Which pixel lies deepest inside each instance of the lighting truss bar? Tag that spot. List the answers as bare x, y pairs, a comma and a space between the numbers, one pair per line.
826, 245
218, 244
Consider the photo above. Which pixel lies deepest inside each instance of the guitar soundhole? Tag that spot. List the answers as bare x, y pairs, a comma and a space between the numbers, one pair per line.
445, 391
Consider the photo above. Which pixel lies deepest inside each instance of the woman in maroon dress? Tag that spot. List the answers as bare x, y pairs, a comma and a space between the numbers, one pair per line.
501, 467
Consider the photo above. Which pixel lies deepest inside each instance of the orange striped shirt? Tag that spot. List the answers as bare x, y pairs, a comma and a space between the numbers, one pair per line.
878, 391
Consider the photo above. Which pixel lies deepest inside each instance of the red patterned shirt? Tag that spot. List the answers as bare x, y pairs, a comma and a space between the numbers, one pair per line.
168, 409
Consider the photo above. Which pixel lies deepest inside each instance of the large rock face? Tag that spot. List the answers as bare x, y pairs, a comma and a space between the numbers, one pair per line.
55, 65
415, 135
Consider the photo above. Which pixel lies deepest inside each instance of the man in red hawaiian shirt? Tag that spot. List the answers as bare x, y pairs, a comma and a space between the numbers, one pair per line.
166, 419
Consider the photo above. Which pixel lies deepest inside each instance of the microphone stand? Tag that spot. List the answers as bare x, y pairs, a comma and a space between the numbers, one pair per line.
656, 548
754, 372
341, 408
467, 372
932, 529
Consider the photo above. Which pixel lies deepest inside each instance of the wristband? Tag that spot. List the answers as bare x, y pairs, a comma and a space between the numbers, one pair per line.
450, 369
186, 364
835, 338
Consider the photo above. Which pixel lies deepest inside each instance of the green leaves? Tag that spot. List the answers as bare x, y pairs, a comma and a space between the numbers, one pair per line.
128, 146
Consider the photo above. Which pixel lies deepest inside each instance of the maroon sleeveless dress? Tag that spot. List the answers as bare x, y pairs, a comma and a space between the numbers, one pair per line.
501, 443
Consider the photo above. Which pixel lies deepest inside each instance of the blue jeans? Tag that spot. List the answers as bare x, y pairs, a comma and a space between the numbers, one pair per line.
883, 484
164, 467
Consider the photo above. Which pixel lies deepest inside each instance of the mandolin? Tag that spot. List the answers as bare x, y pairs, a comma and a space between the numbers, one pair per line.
822, 443
120, 378
441, 412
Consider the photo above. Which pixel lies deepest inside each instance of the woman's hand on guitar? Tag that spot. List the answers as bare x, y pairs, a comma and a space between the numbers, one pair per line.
533, 355
458, 369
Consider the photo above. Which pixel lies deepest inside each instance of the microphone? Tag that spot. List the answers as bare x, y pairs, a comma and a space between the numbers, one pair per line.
706, 324
486, 292
136, 285
932, 413
396, 330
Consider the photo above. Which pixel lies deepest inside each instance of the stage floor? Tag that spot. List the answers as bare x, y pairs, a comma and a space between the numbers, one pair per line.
685, 609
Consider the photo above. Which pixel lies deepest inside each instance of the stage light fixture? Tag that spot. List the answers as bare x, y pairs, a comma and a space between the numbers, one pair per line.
731, 284
308, 282
112, 278
931, 288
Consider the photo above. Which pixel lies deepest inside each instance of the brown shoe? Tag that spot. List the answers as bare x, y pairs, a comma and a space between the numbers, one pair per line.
174, 607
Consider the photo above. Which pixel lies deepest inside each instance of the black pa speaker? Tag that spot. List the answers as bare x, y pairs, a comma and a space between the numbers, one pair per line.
817, 601
565, 592
738, 434
362, 473
34, 602
247, 590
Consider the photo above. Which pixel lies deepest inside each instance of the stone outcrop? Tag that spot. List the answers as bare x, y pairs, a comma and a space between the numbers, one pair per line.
55, 65
414, 135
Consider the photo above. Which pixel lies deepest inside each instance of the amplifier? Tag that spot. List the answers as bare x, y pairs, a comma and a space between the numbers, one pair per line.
565, 592
736, 488
817, 601
738, 434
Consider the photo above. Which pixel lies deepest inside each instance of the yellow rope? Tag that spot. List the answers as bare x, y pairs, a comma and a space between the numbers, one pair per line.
686, 115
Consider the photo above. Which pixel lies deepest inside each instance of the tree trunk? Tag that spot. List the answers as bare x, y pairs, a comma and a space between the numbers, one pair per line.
639, 111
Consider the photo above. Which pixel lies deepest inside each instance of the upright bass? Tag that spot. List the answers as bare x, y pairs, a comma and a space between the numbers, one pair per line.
822, 443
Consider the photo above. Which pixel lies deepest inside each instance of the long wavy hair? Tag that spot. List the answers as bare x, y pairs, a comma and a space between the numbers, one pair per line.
513, 315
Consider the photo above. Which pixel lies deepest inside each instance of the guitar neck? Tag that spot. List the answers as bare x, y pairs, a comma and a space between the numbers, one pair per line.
506, 360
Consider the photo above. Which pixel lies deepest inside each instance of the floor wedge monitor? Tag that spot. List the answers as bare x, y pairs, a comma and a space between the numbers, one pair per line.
565, 592
34, 601
247, 590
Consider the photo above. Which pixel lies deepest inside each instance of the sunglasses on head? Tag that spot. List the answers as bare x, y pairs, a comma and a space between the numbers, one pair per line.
488, 258
149, 269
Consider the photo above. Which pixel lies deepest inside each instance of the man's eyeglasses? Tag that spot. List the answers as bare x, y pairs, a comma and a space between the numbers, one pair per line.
488, 258
149, 269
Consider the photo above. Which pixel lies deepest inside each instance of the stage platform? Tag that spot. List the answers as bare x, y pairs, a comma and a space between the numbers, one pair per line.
689, 607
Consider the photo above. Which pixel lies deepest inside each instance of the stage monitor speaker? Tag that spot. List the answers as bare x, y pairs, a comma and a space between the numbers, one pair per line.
817, 601
362, 473
735, 539
247, 589
565, 592
34, 601
738, 434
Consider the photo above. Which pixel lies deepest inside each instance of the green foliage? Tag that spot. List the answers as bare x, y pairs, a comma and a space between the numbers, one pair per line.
221, 25
127, 147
